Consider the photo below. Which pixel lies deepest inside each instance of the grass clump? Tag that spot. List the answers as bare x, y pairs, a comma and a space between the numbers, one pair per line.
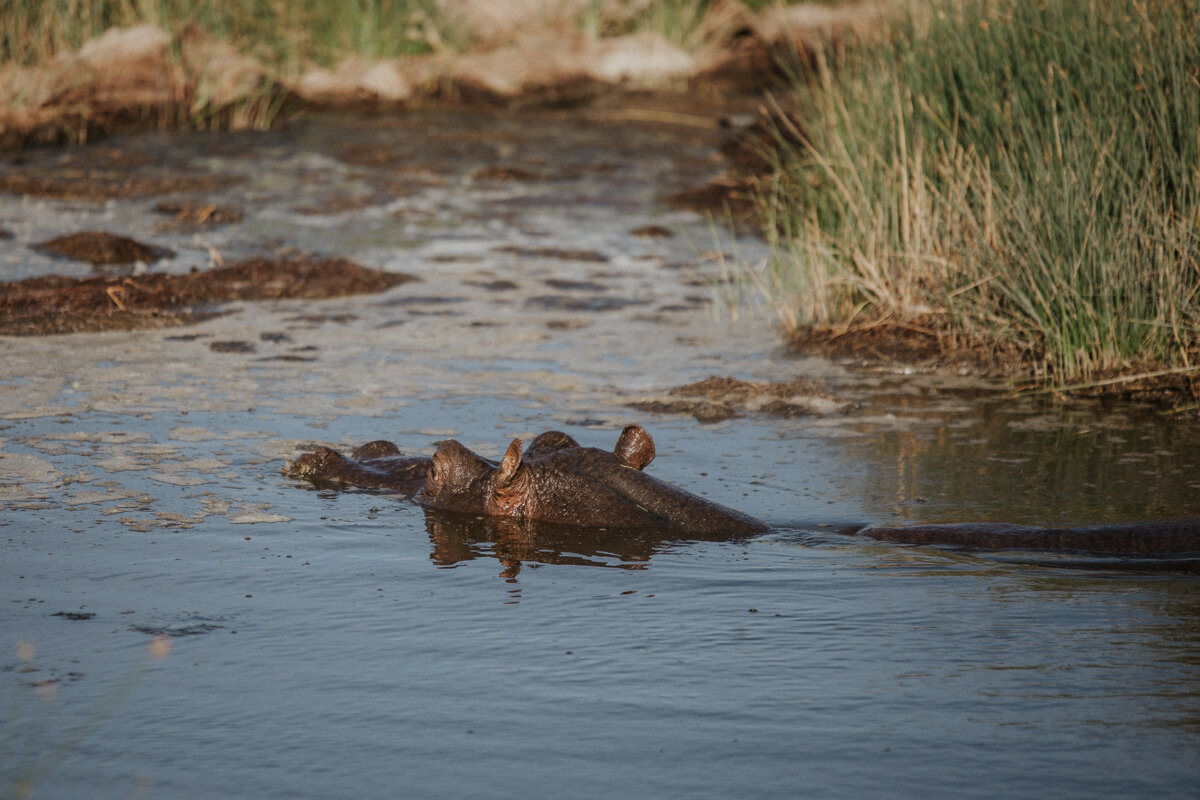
1023, 175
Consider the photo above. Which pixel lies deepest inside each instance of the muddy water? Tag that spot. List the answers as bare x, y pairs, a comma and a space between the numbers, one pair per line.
327, 644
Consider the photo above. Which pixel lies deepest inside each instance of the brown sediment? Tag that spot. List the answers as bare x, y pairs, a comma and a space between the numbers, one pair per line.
552, 252
101, 247
716, 399
191, 212
97, 184
927, 345
501, 172
735, 197
56, 304
653, 232
920, 343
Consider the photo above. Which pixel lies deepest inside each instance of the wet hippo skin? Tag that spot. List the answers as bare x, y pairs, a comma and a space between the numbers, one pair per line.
1150, 539
558, 481
375, 465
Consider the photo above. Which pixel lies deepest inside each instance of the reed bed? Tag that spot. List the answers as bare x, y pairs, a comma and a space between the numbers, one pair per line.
1023, 175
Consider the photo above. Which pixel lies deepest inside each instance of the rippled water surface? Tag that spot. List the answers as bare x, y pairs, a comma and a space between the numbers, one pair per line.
325, 644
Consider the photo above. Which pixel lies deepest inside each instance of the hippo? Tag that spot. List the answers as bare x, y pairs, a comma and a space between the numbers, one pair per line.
554, 480
1178, 538
375, 465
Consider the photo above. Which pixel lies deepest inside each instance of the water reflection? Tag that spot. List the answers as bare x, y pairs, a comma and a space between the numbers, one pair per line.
1022, 461
457, 538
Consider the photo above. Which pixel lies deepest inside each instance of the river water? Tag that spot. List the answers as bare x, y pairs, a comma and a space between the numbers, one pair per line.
343, 644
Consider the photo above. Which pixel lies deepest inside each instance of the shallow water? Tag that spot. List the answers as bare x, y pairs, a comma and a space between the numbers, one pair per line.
327, 644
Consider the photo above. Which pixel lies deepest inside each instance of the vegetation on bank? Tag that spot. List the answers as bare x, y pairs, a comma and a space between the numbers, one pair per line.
218, 65
1019, 175
287, 35
291, 35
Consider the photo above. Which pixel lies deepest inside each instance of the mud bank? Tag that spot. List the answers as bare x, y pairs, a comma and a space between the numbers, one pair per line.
537, 55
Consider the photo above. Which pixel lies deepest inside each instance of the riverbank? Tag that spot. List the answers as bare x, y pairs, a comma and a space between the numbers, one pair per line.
75, 75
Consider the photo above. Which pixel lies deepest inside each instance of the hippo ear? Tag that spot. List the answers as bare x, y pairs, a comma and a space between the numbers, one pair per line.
635, 447
510, 463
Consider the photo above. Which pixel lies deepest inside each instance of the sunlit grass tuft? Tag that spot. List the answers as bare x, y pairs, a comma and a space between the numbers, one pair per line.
1021, 174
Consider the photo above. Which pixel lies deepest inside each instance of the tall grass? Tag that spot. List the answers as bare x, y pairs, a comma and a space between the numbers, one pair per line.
286, 35
1019, 173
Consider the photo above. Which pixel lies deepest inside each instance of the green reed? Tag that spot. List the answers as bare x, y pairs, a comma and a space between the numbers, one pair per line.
1024, 175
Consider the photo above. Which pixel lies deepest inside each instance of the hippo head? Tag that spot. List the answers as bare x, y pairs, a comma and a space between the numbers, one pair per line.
460, 480
557, 480
457, 480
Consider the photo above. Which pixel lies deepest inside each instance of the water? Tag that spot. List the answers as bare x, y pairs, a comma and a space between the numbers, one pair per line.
326, 644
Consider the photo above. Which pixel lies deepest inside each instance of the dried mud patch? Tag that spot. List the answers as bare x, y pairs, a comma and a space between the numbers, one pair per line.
56, 304
716, 399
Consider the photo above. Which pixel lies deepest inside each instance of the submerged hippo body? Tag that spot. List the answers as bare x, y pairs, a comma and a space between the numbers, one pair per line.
1149, 539
554, 481
559, 482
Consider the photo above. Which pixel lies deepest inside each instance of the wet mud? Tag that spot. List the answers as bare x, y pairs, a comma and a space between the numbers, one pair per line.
55, 304
101, 247
716, 399
111, 175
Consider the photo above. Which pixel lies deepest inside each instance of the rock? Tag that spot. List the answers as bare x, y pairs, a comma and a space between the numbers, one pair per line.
811, 22
128, 67
384, 80
542, 60
356, 79
645, 60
